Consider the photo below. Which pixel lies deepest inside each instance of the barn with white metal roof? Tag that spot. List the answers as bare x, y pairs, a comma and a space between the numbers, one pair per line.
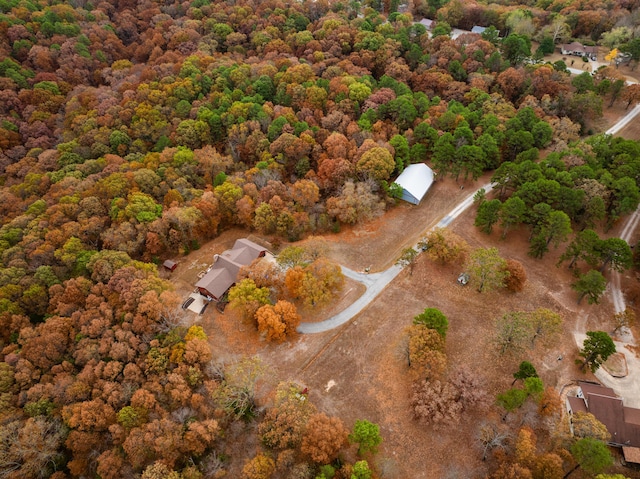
415, 181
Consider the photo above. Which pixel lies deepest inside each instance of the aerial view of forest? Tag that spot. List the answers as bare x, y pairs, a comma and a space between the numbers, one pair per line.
140, 140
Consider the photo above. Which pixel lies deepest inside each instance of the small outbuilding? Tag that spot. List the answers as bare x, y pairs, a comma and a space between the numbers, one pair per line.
170, 265
415, 181
631, 455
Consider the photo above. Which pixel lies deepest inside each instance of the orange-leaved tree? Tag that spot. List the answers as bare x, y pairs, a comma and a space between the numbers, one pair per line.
279, 321
324, 438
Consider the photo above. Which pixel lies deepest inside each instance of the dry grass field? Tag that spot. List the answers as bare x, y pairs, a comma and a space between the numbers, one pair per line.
356, 371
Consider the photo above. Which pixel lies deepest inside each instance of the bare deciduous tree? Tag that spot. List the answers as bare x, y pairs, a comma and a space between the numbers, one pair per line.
30, 449
433, 402
623, 319
438, 402
491, 436
470, 391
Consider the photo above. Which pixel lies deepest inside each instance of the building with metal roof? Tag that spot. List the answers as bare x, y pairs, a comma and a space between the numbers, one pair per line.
415, 181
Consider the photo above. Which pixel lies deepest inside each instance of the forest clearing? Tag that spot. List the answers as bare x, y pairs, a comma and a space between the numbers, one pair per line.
140, 142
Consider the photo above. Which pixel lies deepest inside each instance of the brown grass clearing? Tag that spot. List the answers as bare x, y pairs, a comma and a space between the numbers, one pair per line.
356, 371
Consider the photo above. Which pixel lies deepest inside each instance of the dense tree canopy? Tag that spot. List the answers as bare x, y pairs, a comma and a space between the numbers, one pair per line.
132, 131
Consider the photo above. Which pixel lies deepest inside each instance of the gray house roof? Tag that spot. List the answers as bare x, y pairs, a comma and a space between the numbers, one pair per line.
415, 181
478, 29
427, 23
222, 275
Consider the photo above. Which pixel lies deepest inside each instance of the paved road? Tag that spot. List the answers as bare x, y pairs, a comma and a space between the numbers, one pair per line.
624, 121
376, 282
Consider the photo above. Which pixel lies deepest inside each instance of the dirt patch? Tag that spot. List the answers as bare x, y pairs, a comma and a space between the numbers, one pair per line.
379, 243
634, 349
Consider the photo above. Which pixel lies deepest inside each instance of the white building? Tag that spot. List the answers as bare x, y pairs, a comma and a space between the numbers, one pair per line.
415, 181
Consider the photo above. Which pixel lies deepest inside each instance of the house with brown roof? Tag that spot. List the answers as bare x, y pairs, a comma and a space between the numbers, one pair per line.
623, 423
223, 273
578, 49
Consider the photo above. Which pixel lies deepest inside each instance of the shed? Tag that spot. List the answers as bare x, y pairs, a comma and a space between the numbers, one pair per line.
170, 265
415, 181
478, 29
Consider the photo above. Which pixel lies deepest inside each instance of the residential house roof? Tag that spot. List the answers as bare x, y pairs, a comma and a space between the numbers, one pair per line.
224, 272
631, 454
578, 48
623, 423
478, 29
170, 265
632, 416
577, 404
595, 388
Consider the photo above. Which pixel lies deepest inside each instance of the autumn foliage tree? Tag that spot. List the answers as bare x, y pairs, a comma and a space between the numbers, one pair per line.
314, 283
425, 351
324, 437
517, 276
284, 424
445, 246
377, 163
134, 131
260, 467
586, 425
278, 322
487, 269
247, 298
